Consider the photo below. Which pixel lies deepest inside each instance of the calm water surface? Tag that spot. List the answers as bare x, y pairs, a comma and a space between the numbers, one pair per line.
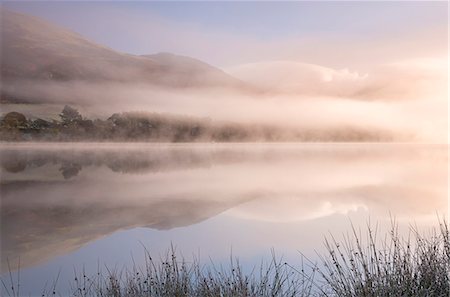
69, 206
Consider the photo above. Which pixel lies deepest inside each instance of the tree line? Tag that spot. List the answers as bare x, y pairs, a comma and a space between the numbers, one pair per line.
128, 126
155, 127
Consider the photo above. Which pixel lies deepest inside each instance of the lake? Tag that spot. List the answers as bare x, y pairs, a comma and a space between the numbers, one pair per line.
79, 206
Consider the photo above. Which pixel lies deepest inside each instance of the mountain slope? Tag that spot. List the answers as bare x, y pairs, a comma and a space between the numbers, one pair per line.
182, 70
33, 49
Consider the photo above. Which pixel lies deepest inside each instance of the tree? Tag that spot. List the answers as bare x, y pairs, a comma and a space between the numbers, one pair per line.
14, 120
70, 115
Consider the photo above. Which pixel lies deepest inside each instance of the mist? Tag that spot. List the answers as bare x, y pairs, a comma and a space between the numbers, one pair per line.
406, 99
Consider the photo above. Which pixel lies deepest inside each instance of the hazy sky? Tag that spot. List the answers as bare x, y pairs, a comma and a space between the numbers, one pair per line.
336, 34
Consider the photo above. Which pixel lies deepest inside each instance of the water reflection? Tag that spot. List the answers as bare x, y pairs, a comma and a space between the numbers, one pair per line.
54, 199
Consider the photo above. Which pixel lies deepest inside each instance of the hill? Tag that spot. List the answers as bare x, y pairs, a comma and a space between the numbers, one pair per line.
36, 50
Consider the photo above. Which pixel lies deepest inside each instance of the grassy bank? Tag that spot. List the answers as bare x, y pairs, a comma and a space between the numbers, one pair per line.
361, 264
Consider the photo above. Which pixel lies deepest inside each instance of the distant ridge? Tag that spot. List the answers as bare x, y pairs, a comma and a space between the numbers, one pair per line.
34, 49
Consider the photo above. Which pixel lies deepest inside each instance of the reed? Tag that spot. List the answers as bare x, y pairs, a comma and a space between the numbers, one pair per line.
361, 264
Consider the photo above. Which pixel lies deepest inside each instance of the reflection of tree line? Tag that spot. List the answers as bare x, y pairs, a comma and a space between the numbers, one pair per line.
154, 127
69, 170
154, 159
71, 163
15, 163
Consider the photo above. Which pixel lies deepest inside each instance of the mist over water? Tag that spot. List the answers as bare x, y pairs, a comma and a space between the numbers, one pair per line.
57, 199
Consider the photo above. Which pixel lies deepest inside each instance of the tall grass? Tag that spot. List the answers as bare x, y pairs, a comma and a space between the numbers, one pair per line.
176, 277
418, 265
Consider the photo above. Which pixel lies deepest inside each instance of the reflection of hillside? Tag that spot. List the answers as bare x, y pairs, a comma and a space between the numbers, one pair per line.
36, 230
56, 200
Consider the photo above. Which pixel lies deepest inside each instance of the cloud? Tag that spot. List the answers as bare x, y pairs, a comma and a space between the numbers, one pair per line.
291, 77
405, 80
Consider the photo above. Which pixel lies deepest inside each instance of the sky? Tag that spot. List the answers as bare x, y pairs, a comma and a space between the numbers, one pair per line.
334, 34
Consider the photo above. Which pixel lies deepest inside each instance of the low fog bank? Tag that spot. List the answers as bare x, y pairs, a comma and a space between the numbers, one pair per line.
407, 100
412, 120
